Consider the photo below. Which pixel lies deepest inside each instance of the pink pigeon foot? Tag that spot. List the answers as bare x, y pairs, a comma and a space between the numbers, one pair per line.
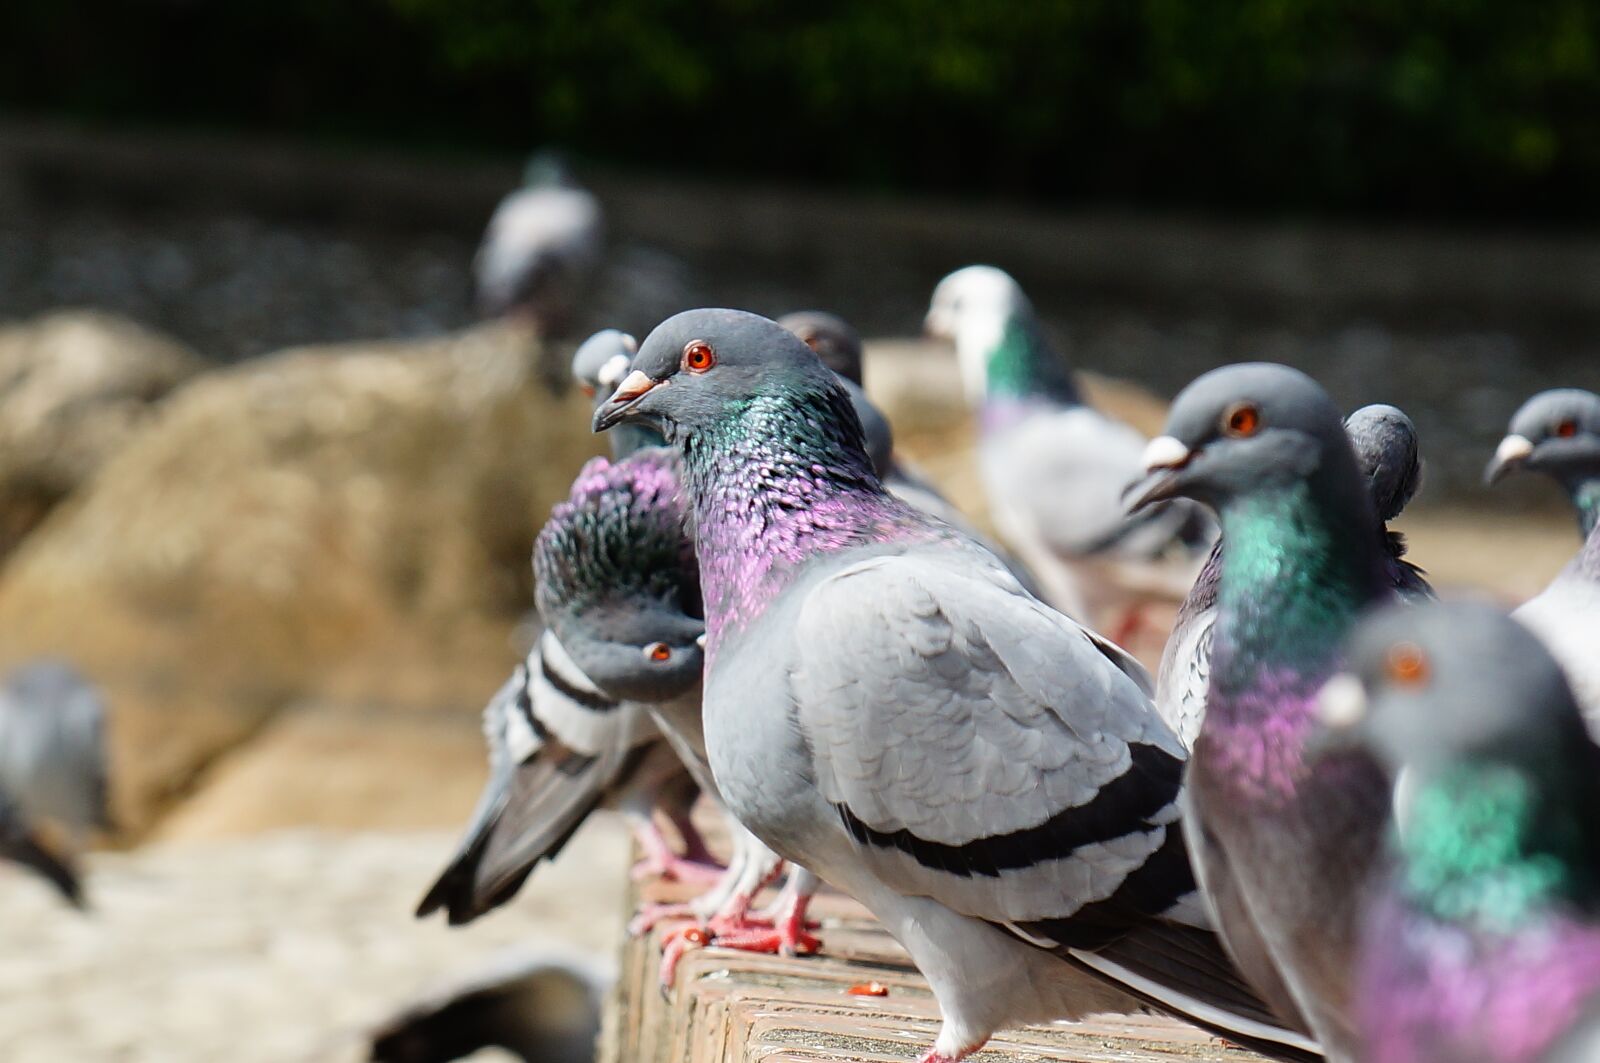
1129, 626
673, 948
786, 934
939, 1057
661, 862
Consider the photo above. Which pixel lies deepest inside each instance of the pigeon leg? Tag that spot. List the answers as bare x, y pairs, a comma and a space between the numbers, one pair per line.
1129, 626
661, 861
787, 935
694, 843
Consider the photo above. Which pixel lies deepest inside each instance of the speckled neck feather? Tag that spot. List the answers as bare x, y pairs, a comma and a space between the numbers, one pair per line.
779, 479
1295, 574
621, 532
1489, 947
1023, 372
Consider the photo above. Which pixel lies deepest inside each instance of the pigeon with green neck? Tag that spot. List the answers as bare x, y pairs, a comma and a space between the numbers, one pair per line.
1054, 467
1558, 433
887, 706
1483, 941
1284, 848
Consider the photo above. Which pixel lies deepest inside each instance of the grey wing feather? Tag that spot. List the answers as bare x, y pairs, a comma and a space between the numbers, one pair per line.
964, 732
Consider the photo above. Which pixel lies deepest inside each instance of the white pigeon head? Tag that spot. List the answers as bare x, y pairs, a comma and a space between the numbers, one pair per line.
971, 308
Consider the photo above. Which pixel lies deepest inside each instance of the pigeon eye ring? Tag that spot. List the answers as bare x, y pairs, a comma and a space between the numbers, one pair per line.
1242, 420
1407, 665
1567, 428
698, 356
658, 651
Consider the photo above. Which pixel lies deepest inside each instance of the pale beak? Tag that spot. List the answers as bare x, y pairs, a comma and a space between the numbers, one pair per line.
614, 370
635, 386
1341, 709
1510, 454
1163, 458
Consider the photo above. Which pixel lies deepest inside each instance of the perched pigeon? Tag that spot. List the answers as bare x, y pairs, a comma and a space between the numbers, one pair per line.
540, 251
1558, 433
1483, 942
885, 705
572, 729
1054, 467
1283, 849
53, 746
20, 845
1385, 442
839, 347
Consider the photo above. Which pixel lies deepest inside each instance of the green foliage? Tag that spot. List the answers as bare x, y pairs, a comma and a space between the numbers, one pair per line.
1464, 107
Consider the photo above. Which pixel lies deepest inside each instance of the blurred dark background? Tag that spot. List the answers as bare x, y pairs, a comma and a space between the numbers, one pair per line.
1460, 109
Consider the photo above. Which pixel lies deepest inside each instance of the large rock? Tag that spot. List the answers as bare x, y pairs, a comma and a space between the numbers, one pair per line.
74, 387
346, 524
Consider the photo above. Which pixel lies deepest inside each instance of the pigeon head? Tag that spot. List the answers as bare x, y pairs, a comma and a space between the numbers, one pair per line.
1429, 686
635, 650
602, 360
1556, 432
1385, 442
836, 343
549, 168
974, 308
1240, 429
704, 368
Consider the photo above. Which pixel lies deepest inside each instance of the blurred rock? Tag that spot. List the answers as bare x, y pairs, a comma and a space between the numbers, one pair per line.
74, 387
348, 524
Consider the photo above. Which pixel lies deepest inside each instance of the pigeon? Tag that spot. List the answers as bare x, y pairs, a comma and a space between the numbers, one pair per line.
539, 1006
1054, 467
1558, 433
839, 347
573, 728
1283, 849
1385, 442
886, 706
53, 747
540, 252
21, 845
1482, 940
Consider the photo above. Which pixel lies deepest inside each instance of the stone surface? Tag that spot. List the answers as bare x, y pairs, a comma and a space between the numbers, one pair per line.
74, 388
283, 948
732, 1007
345, 524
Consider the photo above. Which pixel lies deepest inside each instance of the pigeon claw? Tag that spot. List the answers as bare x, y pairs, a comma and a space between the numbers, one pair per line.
673, 948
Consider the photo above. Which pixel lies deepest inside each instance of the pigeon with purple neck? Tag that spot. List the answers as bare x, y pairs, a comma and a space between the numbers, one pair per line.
886, 706
1284, 848
1483, 941
1558, 433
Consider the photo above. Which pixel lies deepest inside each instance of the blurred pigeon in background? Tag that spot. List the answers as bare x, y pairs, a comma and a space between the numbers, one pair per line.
53, 747
887, 706
540, 1007
1558, 433
1483, 942
22, 846
1054, 467
1385, 443
540, 254
1283, 848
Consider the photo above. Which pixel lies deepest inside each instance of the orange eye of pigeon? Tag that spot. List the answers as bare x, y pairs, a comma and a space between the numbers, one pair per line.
1567, 429
658, 651
698, 356
1408, 665
1242, 420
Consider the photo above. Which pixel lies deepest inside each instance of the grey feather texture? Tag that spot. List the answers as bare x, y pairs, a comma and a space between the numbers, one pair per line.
53, 746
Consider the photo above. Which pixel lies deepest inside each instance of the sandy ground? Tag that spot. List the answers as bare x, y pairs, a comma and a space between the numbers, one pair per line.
282, 947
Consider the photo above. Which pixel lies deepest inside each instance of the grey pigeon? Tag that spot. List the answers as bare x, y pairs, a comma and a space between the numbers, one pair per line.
540, 1007
1284, 849
572, 729
885, 705
1385, 443
21, 845
53, 746
839, 347
540, 252
1054, 467
1482, 943
1558, 433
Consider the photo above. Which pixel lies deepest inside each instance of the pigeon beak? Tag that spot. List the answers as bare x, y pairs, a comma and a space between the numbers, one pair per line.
634, 387
1341, 709
1512, 452
1164, 458
613, 371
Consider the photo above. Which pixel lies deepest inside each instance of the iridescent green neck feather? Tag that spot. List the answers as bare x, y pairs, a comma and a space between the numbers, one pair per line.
1491, 846
1586, 498
1023, 365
